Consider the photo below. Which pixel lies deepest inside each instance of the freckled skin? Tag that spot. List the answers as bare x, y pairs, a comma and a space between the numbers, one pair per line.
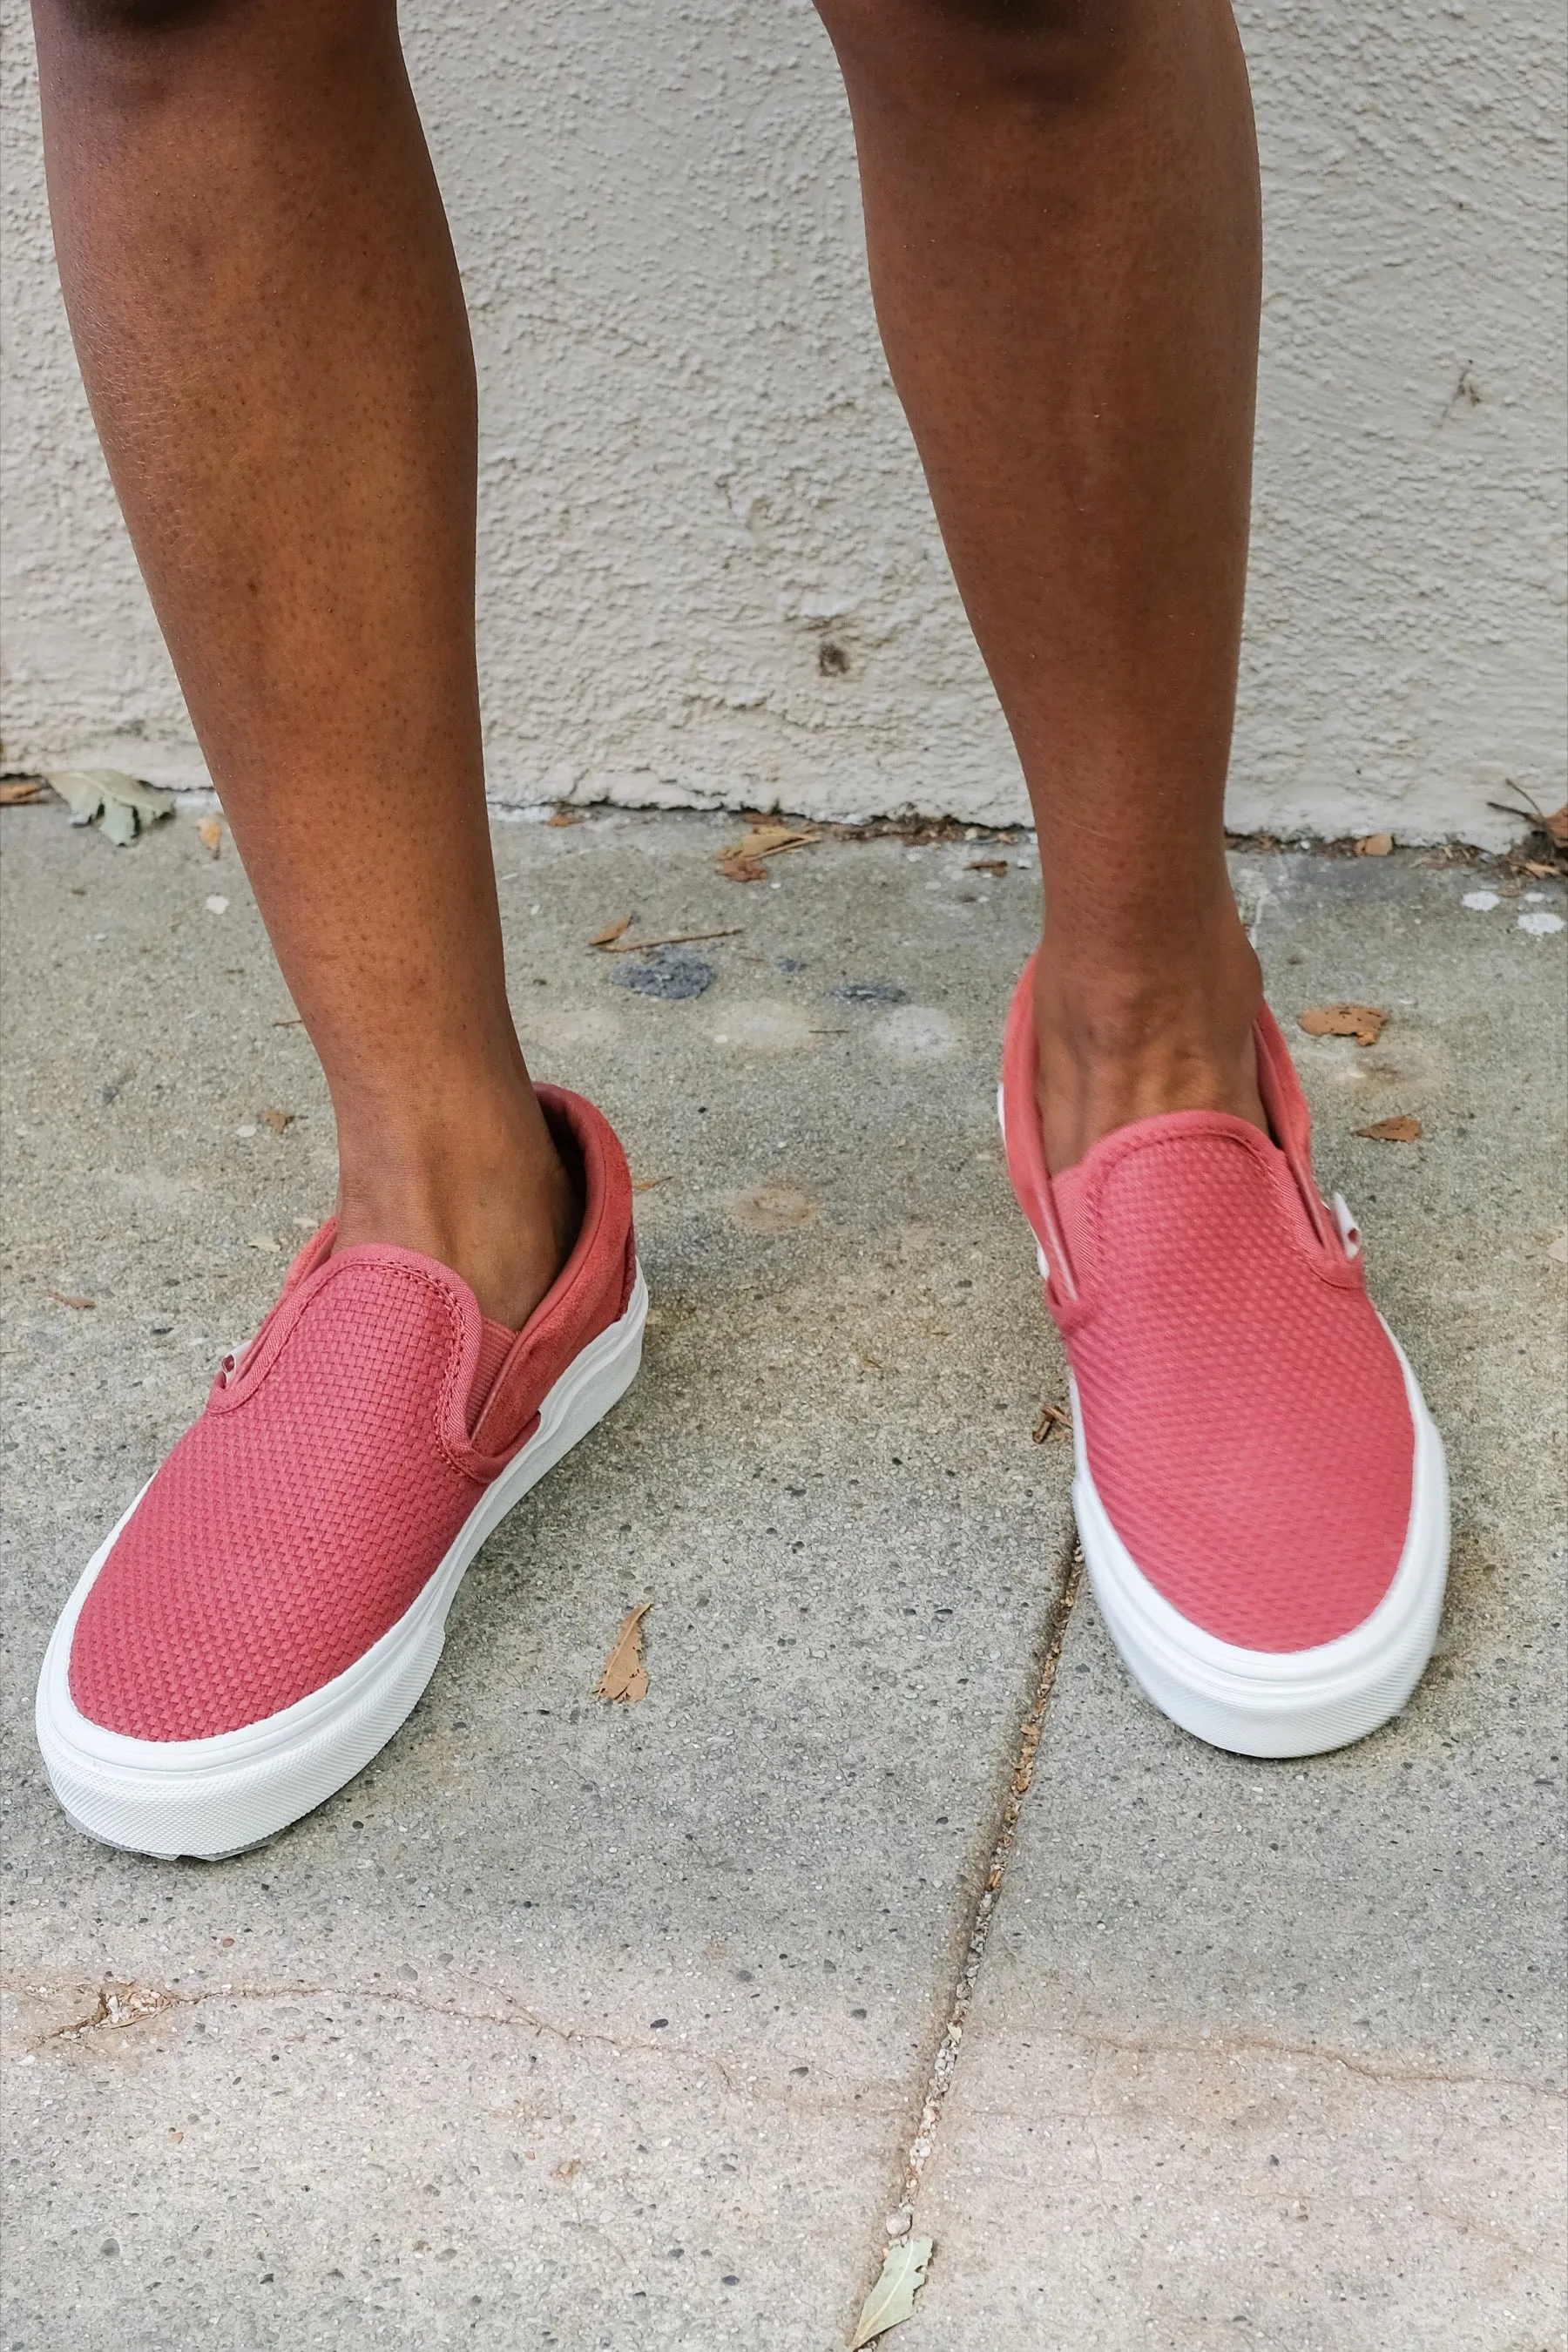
1062, 221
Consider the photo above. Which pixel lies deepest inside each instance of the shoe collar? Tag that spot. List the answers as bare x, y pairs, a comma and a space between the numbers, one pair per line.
509, 1397
1290, 1141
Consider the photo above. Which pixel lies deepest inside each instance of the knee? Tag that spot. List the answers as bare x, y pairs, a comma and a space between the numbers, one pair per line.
1039, 48
148, 20
138, 54
167, 27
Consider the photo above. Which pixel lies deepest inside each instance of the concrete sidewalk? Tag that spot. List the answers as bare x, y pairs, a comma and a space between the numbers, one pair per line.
590, 2028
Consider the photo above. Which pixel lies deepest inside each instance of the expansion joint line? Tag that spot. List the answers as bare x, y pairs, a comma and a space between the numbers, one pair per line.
946, 2064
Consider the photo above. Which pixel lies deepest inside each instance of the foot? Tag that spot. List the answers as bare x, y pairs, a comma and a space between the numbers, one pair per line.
476, 1179
1260, 1490
1116, 1048
271, 1607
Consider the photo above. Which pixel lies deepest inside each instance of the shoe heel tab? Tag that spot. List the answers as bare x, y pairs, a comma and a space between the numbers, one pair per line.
588, 1141
1290, 1122
1022, 1137
588, 1293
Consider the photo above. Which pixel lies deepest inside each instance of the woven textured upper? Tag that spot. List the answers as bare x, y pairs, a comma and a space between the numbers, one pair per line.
1243, 1410
335, 1464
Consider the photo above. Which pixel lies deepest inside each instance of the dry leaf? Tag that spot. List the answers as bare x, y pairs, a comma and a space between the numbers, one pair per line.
741, 861
625, 1675
1375, 845
1052, 1418
18, 791
767, 840
278, 1119
1541, 873
1362, 1021
562, 816
70, 1299
1557, 826
123, 803
648, 1183
611, 933
1402, 1129
997, 866
210, 834
893, 2297
671, 940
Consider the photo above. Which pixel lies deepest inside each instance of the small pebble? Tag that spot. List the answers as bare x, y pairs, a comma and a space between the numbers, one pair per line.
873, 991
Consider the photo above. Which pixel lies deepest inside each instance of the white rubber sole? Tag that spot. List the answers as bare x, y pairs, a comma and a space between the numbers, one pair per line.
1277, 1701
208, 1798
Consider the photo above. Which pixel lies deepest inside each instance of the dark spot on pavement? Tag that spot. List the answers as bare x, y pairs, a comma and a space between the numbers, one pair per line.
669, 976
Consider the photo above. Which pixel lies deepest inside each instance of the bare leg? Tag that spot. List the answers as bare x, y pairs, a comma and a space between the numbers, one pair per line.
1061, 208
271, 327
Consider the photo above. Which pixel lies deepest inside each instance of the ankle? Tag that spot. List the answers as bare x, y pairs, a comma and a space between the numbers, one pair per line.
479, 1186
1125, 1044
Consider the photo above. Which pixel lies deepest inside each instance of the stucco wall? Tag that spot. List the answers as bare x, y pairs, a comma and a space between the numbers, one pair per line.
695, 471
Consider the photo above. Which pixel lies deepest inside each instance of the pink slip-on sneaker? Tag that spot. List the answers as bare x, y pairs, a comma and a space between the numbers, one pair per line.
272, 1605
1260, 1490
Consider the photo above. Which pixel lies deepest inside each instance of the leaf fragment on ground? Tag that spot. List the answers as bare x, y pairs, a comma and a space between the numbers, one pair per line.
1375, 845
1400, 1129
671, 940
124, 805
1364, 1023
741, 861
1557, 826
1052, 1418
626, 1676
16, 791
209, 831
278, 1120
893, 2297
70, 1299
997, 866
611, 933
767, 840
648, 1183
562, 816
741, 869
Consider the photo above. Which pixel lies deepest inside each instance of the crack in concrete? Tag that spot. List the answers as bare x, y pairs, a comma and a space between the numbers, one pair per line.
1325, 2053
124, 2002
944, 2064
